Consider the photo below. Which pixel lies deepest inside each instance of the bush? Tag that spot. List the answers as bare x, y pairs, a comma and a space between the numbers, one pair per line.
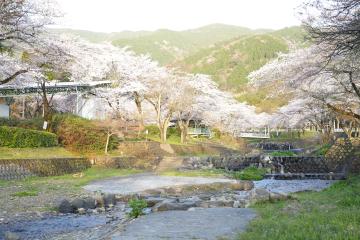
35, 123
323, 150
137, 207
283, 154
155, 132
250, 173
21, 138
81, 134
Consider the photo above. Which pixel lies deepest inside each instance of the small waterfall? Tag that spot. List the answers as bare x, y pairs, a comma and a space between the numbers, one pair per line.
281, 169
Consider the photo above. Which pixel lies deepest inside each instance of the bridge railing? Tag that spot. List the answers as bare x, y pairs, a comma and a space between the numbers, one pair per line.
253, 135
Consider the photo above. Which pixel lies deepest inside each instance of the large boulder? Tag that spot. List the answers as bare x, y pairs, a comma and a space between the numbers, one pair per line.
275, 196
65, 207
109, 199
89, 203
221, 201
152, 201
78, 203
169, 205
259, 195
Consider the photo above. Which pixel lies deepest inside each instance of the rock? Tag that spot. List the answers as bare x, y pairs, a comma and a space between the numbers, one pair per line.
195, 199
99, 201
169, 205
259, 195
221, 203
204, 197
81, 211
152, 201
109, 199
65, 207
11, 236
240, 204
204, 204
89, 203
274, 196
146, 211
247, 185
101, 209
78, 203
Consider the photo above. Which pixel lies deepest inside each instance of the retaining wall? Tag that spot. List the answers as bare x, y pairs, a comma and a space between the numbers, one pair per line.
276, 164
127, 162
21, 168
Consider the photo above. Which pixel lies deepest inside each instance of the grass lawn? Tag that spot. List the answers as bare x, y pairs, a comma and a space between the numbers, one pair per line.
72, 180
331, 214
50, 152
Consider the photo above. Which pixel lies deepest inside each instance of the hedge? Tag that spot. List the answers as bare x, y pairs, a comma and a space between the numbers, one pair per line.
80, 134
21, 138
34, 123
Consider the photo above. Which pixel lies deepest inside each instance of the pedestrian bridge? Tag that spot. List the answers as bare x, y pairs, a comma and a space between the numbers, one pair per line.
263, 135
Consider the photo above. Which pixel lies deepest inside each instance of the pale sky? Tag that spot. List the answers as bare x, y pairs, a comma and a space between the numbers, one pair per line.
119, 15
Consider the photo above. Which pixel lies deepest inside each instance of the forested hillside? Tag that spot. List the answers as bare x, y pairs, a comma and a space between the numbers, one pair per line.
230, 62
227, 53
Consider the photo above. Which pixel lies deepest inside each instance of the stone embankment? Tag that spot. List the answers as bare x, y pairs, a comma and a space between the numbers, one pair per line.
11, 169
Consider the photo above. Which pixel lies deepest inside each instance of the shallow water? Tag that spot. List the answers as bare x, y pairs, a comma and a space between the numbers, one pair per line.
291, 186
51, 226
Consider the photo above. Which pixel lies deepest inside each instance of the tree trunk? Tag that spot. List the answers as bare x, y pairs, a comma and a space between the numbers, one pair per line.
107, 142
46, 103
137, 99
183, 131
163, 133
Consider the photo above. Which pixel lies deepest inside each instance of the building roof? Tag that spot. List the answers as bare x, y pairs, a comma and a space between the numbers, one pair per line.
51, 87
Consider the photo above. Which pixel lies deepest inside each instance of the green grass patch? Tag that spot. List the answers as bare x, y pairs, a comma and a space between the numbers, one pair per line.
26, 153
250, 173
25, 194
196, 173
331, 214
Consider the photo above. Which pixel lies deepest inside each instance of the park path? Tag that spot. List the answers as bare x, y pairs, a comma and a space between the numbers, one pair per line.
204, 224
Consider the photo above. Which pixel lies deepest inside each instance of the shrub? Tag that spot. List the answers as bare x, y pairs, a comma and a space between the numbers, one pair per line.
35, 123
137, 207
80, 134
21, 138
323, 150
155, 132
283, 154
250, 173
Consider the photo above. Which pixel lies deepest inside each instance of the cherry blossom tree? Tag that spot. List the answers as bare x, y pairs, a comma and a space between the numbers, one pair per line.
22, 23
307, 73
